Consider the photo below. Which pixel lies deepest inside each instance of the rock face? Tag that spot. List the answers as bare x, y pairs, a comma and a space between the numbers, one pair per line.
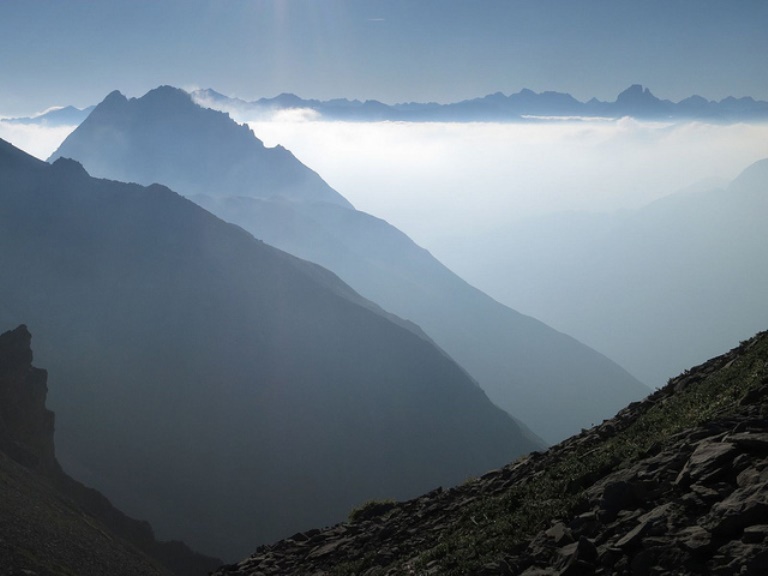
676, 484
49, 523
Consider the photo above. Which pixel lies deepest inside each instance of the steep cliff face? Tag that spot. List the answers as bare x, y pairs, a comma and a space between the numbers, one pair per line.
50, 523
675, 484
26, 425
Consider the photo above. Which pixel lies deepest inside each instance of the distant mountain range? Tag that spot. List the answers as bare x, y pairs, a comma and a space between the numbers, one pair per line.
636, 101
675, 484
551, 382
526, 105
221, 388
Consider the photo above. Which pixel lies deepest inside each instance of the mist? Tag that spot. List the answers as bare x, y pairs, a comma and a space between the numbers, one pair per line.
439, 182
39, 140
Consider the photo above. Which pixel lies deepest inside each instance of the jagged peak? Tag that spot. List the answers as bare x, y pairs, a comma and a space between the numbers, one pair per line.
635, 93
69, 167
15, 348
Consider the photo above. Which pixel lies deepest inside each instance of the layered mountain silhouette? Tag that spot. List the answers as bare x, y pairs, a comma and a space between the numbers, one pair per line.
675, 484
555, 384
635, 101
49, 523
226, 391
657, 289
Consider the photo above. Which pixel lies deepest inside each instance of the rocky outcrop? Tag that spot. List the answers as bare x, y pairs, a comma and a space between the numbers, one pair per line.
49, 521
644, 493
26, 425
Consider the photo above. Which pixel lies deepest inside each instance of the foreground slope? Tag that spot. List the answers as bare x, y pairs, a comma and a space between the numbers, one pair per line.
226, 391
554, 383
49, 523
675, 484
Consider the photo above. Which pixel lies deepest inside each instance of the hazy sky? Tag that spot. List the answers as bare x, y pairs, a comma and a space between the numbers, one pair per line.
55, 52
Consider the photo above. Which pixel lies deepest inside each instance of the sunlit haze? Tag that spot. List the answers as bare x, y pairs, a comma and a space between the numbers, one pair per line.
438, 181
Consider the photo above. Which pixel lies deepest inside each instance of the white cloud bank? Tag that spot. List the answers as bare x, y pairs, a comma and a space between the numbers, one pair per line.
35, 139
438, 181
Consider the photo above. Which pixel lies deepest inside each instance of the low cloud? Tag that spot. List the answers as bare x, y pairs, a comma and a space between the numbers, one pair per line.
39, 140
438, 181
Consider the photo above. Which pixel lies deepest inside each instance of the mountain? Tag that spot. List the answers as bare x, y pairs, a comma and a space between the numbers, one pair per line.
234, 165
555, 384
675, 484
657, 288
225, 390
49, 523
526, 105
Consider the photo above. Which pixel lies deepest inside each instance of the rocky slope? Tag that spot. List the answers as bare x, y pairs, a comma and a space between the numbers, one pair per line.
677, 483
51, 524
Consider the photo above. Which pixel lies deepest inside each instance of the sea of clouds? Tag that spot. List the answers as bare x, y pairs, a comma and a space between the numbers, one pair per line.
443, 182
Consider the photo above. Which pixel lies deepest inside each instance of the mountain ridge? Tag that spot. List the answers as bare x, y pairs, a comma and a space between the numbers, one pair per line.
526, 105
183, 348
508, 353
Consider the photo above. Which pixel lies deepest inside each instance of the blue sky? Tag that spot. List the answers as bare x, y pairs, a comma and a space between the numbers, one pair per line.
55, 52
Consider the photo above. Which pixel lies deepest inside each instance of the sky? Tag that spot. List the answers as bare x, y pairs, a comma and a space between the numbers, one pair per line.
55, 52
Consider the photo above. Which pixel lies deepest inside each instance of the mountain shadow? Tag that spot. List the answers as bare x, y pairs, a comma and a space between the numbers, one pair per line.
555, 384
225, 390
49, 523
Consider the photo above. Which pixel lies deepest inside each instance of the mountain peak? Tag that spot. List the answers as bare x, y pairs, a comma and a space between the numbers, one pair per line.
114, 99
165, 137
636, 93
167, 93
